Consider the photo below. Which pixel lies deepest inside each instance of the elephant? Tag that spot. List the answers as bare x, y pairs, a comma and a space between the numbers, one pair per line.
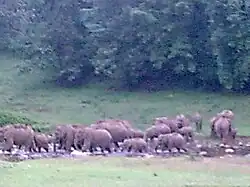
159, 120
234, 132
187, 133
182, 121
41, 141
223, 128
137, 133
93, 138
64, 134
172, 140
227, 114
123, 123
79, 138
118, 132
155, 131
19, 136
197, 119
135, 145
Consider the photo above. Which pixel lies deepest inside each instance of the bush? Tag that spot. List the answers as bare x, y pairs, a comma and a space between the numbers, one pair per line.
8, 118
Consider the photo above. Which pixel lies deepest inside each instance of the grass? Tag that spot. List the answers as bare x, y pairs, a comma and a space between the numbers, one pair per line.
26, 95
125, 172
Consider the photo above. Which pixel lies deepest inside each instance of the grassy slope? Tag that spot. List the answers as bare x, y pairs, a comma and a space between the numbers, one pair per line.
25, 95
129, 172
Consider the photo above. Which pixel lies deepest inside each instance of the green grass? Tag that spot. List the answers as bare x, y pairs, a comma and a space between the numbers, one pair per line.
124, 172
26, 95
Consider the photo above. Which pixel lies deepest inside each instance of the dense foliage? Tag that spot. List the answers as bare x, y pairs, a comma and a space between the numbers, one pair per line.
134, 44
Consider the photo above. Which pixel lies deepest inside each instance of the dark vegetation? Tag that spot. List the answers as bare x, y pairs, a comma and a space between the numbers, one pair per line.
132, 44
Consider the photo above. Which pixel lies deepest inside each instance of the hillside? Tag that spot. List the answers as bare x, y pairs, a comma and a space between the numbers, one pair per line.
27, 95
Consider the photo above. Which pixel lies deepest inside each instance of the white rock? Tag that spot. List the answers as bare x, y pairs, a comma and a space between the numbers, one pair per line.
227, 146
248, 144
198, 145
203, 153
148, 156
229, 151
221, 156
248, 155
78, 153
222, 145
182, 151
240, 143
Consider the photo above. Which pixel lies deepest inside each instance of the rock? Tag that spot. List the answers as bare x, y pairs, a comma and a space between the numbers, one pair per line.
182, 151
247, 156
36, 156
240, 144
199, 146
229, 151
148, 156
23, 157
203, 153
227, 146
248, 144
222, 145
78, 153
235, 147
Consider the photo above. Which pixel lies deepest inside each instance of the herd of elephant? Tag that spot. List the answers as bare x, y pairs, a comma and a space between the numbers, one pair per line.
114, 134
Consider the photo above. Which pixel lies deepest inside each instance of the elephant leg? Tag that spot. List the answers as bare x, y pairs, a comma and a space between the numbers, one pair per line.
39, 149
109, 149
129, 149
68, 145
60, 144
46, 149
8, 145
116, 146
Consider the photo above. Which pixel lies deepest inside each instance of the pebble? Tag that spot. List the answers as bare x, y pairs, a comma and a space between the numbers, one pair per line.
199, 146
247, 156
229, 151
222, 145
148, 156
240, 144
203, 153
248, 144
78, 153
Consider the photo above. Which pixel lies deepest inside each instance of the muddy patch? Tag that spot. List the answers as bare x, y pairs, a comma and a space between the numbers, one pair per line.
201, 147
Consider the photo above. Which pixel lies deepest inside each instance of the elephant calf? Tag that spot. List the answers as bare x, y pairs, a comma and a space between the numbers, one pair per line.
155, 131
173, 140
187, 133
135, 145
41, 141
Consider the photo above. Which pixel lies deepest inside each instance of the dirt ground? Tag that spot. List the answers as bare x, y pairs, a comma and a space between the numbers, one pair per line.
201, 147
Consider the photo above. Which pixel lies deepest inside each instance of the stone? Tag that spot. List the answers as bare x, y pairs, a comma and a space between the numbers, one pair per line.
248, 144
203, 153
240, 144
78, 153
199, 146
229, 151
222, 145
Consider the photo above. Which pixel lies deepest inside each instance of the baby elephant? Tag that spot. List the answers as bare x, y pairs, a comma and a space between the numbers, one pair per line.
155, 131
173, 140
187, 133
41, 141
135, 145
